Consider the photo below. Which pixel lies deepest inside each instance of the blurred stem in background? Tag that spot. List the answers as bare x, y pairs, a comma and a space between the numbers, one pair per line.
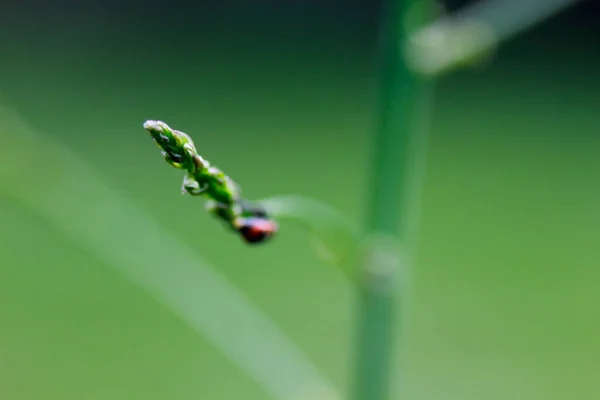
412, 55
386, 253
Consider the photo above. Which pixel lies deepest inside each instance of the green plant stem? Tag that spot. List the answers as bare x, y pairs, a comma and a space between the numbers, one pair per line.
388, 222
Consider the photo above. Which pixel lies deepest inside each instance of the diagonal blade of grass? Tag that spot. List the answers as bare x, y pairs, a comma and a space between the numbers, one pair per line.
511, 17
75, 199
475, 31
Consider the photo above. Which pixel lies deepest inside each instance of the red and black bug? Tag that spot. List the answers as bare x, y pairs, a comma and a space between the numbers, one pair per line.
256, 230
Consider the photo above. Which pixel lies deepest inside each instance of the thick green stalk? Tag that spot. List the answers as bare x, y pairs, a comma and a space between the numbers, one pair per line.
392, 179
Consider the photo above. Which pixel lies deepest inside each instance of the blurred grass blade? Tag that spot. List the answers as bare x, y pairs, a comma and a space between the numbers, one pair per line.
75, 199
510, 17
334, 235
474, 31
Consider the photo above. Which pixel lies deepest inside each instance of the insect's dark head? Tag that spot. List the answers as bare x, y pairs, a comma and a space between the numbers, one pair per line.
256, 230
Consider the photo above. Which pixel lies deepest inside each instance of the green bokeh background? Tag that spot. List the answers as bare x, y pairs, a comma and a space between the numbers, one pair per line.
282, 98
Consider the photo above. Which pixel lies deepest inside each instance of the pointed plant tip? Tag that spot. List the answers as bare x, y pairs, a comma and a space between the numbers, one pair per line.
153, 125
149, 124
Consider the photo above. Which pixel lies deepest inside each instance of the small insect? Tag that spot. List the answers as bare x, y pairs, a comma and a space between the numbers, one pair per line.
250, 220
256, 229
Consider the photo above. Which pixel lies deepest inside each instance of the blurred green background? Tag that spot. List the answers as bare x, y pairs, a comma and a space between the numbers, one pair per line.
281, 95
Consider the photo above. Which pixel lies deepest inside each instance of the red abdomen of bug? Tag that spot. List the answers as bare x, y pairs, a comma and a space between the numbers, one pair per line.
256, 229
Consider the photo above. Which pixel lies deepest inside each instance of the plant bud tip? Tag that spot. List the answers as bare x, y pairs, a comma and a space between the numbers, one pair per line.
151, 124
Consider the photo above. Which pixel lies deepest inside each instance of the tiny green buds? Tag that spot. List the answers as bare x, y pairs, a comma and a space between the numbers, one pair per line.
225, 202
